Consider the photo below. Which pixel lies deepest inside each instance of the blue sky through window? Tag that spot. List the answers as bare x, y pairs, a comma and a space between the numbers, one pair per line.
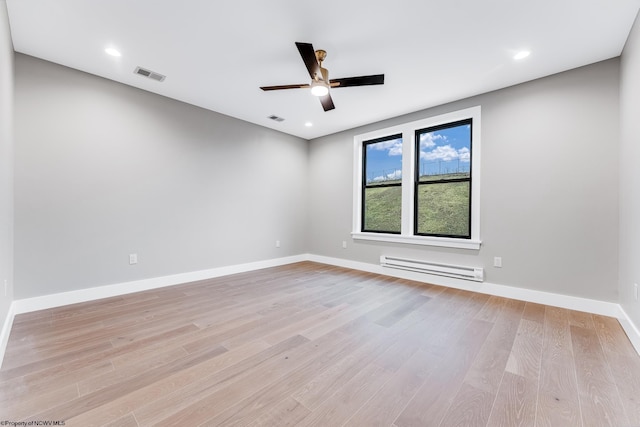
445, 151
384, 161
442, 151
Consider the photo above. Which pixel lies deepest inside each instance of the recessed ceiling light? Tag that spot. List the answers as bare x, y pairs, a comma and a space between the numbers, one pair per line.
113, 52
308, 124
521, 55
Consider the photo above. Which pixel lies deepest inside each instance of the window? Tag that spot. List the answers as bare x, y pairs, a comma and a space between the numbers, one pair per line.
418, 183
442, 196
382, 185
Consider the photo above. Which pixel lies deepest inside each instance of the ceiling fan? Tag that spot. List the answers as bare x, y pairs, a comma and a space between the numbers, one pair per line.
320, 83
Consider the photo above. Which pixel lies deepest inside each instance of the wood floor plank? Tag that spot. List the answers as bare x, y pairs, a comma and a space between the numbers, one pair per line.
452, 317
491, 309
48, 362
337, 317
162, 393
195, 391
288, 412
127, 421
256, 403
410, 338
470, 407
314, 318
526, 353
267, 324
84, 356
487, 369
624, 370
212, 335
122, 373
385, 406
581, 319
534, 312
599, 399
473, 402
215, 401
402, 310
92, 400
320, 386
313, 344
612, 336
340, 406
432, 401
19, 389
29, 404
558, 402
515, 404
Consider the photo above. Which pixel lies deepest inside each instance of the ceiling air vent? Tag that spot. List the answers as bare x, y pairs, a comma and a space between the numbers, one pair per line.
276, 118
150, 74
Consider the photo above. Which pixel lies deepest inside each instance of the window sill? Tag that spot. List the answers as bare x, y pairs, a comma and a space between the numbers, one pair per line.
419, 240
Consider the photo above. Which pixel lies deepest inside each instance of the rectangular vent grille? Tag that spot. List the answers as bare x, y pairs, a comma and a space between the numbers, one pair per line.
457, 271
276, 118
149, 74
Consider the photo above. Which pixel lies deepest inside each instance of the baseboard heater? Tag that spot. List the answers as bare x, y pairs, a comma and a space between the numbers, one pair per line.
448, 270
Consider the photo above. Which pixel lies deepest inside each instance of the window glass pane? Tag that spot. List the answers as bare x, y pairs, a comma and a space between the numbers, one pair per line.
382, 209
383, 162
445, 153
382, 186
443, 209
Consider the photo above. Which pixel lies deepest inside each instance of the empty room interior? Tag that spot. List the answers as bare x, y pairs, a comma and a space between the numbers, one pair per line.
420, 213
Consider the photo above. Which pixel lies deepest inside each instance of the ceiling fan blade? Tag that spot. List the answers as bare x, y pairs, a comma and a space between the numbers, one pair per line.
376, 79
308, 55
327, 102
298, 86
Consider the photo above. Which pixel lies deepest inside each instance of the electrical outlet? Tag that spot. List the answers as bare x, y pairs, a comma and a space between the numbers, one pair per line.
635, 291
497, 262
344, 244
133, 259
277, 243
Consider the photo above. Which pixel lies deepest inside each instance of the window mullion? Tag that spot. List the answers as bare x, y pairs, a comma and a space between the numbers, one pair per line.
408, 167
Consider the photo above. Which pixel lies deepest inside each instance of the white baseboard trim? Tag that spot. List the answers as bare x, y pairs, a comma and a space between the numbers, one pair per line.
603, 308
27, 305
633, 332
83, 295
6, 331
522, 294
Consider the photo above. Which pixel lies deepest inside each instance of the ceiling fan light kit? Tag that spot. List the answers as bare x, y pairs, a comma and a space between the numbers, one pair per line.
319, 88
320, 83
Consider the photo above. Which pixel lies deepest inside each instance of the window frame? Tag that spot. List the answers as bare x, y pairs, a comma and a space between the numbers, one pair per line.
409, 165
364, 180
418, 183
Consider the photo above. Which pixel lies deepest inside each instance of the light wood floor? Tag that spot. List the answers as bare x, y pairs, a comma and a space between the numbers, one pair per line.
309, 344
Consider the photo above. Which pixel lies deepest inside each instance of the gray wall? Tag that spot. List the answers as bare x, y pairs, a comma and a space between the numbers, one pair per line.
103, 170
6, 163
629, 175
549, 199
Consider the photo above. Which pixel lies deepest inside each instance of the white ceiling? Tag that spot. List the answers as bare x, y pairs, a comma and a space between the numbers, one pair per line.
216, 54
